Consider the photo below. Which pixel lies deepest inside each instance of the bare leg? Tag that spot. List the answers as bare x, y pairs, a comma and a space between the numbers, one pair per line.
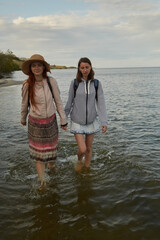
40, 170
81, 150
88, 154
51, 166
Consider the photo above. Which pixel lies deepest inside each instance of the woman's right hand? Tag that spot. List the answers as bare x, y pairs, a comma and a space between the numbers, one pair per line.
104, 129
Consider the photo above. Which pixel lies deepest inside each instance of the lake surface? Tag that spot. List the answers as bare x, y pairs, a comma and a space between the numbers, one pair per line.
118, 199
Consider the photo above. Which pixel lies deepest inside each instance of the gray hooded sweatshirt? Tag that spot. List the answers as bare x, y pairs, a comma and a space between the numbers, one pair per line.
83, 108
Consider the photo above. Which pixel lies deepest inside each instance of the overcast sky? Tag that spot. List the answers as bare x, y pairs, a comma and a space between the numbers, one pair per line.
112, 33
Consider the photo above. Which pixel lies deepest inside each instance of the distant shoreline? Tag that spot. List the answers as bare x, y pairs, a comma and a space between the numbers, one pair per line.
6, 83
52, 66
61, 67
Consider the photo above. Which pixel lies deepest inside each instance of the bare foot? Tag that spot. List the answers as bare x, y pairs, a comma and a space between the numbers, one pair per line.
87, 164
86, 169
78, 166
42, 187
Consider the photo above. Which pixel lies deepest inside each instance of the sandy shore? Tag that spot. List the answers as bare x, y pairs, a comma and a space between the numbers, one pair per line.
6, 83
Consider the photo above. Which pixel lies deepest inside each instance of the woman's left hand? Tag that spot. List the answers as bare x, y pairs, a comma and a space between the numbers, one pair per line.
104, 129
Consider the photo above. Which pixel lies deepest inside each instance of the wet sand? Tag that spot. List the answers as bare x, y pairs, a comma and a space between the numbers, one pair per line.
6, 83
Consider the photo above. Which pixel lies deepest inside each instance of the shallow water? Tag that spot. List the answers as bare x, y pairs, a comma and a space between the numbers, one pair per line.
118, 198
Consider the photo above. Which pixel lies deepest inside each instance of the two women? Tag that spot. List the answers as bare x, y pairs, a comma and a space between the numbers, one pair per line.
38, 92
85, 102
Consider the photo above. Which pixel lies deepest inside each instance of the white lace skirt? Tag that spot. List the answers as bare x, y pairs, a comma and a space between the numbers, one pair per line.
76, 128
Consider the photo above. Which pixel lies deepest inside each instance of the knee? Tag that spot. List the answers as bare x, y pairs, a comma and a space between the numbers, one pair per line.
82, 150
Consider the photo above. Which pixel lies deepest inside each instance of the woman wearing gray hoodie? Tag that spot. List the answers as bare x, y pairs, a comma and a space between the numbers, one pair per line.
86, 102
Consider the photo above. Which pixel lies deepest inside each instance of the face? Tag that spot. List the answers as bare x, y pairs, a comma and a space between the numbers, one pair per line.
85, 69
37, 68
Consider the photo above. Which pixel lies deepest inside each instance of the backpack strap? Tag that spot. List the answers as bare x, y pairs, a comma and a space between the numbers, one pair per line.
75, 86
50, 87
96, 83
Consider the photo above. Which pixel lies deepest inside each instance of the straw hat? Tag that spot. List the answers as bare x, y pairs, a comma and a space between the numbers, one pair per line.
34, 58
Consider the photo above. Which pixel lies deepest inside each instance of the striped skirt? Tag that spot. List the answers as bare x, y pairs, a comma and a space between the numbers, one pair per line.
43, 138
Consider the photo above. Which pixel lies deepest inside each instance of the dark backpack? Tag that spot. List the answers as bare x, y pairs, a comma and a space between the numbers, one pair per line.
50, 87
76, 83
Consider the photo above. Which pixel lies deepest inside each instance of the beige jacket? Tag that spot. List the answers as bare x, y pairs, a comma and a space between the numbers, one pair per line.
44, 101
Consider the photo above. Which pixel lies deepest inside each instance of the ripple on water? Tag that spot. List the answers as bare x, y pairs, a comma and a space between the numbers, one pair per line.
118, 198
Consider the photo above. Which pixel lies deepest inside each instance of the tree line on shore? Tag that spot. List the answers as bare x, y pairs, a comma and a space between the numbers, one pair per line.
9, 63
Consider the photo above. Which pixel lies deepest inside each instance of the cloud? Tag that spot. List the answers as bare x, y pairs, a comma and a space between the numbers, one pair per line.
110, 38
125, 5
129, 23
64, 21
2, 22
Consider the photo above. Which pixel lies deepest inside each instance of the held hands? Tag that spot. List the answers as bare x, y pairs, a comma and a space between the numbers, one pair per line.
64, 127
104, 129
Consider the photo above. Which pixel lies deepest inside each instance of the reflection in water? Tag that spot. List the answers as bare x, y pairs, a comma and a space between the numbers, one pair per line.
84, 191
45, 217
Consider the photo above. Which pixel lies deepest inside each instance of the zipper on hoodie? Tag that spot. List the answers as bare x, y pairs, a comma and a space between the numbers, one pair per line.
86, 101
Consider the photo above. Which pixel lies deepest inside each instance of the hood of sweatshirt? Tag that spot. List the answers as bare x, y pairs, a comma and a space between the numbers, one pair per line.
85, 85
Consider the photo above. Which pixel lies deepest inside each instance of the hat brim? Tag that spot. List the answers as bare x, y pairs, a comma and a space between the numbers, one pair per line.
26, 66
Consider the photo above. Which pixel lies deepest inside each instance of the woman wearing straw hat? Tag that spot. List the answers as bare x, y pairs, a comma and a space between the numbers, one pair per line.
38, 105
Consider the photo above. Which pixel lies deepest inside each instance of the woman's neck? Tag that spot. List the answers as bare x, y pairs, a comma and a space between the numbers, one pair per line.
38, 78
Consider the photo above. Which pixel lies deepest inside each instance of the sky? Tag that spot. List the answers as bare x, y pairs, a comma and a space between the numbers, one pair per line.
112, 33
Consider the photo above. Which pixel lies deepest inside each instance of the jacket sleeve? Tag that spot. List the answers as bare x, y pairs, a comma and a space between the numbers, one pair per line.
24, 103
58, 101
70, 100
101, 106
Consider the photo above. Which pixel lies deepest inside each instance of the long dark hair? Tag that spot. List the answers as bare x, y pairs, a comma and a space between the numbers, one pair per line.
31, 81
79, 74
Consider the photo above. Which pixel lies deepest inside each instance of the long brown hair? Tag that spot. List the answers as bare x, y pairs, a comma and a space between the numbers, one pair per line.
31, 82
79, 74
